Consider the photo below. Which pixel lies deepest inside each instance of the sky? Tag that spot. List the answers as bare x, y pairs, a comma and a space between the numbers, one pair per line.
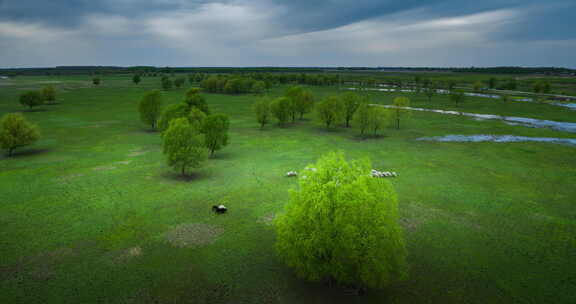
411, 33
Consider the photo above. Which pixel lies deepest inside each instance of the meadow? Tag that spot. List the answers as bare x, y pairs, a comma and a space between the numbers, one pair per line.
91, 213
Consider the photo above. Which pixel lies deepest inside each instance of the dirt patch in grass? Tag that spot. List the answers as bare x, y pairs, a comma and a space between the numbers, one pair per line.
68, 178
126, 255
268, 219
104, 168
193, 235
136, 153
123, 162
40, 267
410, 223
420, 213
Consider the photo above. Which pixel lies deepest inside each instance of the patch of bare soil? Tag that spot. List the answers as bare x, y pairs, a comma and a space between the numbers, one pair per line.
123, 162
40, 267
193, 235
104, 168
126, 255
136, 153
68, 178
410, 223
267, 219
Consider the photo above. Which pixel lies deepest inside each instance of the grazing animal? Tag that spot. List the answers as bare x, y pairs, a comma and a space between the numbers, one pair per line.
220, 209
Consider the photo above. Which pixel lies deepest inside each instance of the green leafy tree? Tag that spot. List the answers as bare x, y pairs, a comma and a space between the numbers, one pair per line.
150, 108
329, 111
379, 118
215, 130
16, 131
451, 85
505, 98
430, 91
96, 81
196, 118
399, 112
31, 99
136, 78
167, 84
48, 95
342, 225
262, 111
350, 103
193, 91
280, 108
362, 117
295, 95
492, 83
457, 97
178, 82
477, 86
259, 87
305, 103
198, 101
537, 86
233, 86
546, 89
183, 145
171, 112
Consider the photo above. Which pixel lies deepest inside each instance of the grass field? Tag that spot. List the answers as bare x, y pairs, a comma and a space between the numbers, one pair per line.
92, 214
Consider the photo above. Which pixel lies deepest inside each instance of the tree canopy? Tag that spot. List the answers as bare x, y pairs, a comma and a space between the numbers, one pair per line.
341, 224
150, 108
215, 130
171, 112
16, 131
183, 146
262, 110
31, 99
329, 111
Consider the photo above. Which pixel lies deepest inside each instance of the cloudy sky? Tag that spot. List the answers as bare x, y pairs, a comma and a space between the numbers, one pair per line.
287, 32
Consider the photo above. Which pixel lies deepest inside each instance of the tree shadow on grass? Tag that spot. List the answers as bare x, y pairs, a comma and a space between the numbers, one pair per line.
148, 131
365, 137
174, 176
220, 156
35, 110
25, 153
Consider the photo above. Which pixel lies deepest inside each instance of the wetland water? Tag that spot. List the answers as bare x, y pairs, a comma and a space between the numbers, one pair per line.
571, 106
511, 120
499, 138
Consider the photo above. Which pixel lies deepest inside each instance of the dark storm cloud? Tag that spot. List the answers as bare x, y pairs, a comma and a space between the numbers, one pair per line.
279, 32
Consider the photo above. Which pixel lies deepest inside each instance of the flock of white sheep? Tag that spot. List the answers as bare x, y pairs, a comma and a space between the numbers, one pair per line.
373, 173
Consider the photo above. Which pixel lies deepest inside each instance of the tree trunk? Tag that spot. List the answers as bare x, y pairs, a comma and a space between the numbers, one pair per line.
398, 123
10, 150
183, 171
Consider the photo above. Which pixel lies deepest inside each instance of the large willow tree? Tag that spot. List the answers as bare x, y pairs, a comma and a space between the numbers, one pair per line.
342, 225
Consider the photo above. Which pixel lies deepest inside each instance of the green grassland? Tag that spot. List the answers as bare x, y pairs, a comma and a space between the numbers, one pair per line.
85, 212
